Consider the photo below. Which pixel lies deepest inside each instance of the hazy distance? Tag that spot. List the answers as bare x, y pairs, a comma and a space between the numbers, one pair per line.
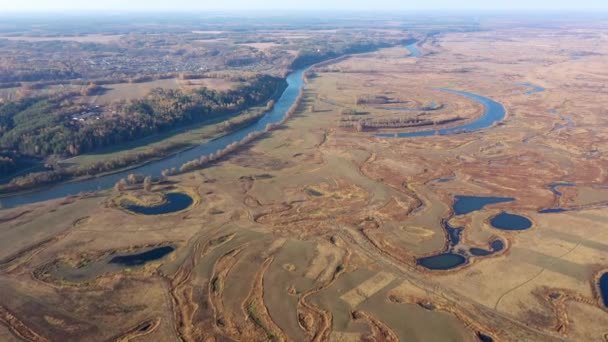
265, 5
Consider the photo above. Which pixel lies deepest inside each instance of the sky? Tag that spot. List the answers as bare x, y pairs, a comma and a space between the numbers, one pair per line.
265, 5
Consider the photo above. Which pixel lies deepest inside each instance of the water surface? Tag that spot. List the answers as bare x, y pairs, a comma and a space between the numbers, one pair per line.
468, 204
495, 246
533, 88
604, 288
142, 258
443, 261
174, 202
507, 221
413, 49
552, 210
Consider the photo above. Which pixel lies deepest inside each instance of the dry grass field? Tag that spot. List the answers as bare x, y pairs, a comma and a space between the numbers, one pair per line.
313, 231
133, 91
86, 38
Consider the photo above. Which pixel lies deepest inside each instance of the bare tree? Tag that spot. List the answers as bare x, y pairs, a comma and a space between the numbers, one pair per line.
148, 183
120, 185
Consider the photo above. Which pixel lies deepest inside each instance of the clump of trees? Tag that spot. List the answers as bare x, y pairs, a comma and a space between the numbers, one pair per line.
34, 179
361, 125
204, 160
318, 51
7, 165
92, 89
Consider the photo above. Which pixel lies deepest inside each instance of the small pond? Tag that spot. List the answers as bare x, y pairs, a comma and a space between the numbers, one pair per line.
88, 270
507, 221
533, 88
552, 210
142, 258
443, 261
495, 246
468, 204
174, 202
604, 288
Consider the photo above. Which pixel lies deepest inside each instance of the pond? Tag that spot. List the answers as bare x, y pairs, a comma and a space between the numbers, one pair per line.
507, 221
468, 204
604, 288
552, 210
495, 246
142, 258
533, 88
443, 261
108, 263
174, 202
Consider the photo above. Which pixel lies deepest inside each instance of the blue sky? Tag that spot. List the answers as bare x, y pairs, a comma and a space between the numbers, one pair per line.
365, 5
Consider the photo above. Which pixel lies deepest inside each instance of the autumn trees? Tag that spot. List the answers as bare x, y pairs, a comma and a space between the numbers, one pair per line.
45, 126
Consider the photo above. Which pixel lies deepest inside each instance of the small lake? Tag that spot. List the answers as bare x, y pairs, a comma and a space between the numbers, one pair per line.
142, 258
533, 88
604, 288
413, 49
493, 113
454, 234
443, 261
468, 204
495, 246
174, 202
507, 221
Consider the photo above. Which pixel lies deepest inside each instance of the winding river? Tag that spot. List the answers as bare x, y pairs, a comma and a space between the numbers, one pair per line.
494, 112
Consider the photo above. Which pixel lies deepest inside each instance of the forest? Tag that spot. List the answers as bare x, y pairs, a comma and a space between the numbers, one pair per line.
42, 126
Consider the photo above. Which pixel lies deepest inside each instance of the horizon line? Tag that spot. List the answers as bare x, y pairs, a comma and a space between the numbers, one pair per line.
60, 11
